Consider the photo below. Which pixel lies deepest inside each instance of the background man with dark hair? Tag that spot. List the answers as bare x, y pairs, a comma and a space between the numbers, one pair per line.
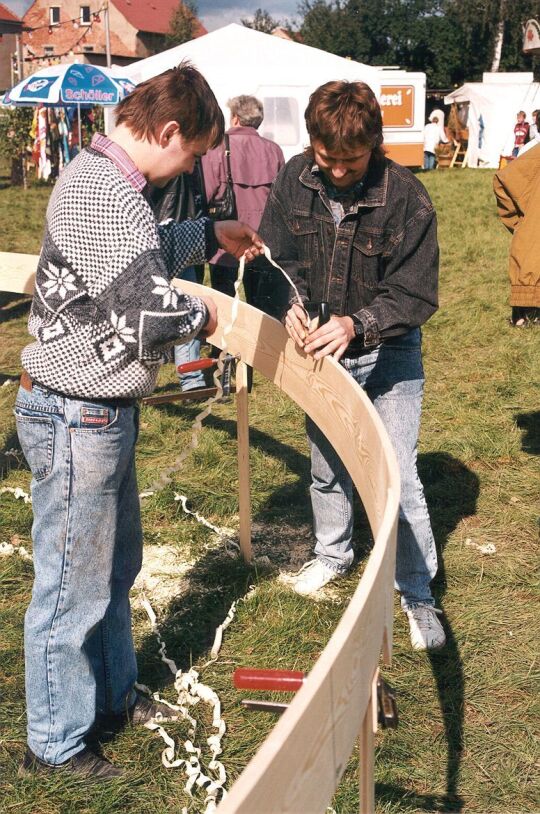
357, 230
103, 312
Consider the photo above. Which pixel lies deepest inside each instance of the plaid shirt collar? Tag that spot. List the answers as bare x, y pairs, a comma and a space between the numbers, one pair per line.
118, 156
353, 193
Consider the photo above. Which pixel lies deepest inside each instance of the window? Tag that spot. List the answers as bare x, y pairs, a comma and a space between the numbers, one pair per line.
85, 16
87, 49
281, 120
54, 15
48, 50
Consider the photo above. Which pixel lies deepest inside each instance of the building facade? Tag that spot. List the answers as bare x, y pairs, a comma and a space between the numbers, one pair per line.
10, 31
75, 30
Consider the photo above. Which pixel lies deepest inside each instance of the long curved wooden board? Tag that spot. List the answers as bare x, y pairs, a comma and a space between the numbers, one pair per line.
18, 272
298, 767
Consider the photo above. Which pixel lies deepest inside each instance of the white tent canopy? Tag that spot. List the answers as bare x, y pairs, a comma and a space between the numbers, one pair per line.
282, 74
493, 106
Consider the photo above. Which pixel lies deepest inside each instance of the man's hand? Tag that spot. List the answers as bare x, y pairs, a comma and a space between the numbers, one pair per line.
332, 338
211, 325
296, 323
238, 239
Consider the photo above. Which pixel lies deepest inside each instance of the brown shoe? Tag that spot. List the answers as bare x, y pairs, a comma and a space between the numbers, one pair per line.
85, 764
145, 709
140, 712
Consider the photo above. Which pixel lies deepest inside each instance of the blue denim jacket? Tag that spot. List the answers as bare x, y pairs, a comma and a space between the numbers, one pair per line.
379, 263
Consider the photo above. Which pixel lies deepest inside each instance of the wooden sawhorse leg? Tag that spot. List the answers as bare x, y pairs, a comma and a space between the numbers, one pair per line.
244, 498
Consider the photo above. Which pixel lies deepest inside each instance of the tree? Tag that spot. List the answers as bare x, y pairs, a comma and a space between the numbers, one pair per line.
261, 21
452, 41
328, 26
15, 124
184, 23
492, 32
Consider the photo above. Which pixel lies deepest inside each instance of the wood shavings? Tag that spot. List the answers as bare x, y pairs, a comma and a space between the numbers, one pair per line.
224, 534
487, 548
268, 256
190, 692
14, 453
8, 549
163, 573
17, 493
218, 638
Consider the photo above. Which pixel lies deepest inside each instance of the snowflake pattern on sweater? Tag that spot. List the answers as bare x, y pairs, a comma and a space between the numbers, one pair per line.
104, 307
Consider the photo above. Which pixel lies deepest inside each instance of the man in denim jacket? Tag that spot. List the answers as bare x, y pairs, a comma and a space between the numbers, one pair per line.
357, 230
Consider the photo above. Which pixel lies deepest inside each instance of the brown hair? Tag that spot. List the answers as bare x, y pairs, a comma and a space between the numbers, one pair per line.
343, 115
180, 94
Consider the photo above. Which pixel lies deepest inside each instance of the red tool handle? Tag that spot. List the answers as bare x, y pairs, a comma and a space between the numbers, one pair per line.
247, 678
198, 364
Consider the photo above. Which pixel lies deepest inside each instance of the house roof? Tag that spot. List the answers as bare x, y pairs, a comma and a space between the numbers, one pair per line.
6, 14
9, 22
151, 15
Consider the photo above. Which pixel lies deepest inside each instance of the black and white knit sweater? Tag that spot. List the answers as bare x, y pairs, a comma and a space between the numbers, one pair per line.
103, 306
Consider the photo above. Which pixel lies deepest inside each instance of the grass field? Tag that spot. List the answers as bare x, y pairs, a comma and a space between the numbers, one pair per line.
469, 715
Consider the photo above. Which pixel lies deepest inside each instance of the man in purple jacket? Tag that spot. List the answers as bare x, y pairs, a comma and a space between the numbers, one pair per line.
255, 161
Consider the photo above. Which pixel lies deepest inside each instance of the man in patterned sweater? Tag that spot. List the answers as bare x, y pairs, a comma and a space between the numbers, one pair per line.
103, 312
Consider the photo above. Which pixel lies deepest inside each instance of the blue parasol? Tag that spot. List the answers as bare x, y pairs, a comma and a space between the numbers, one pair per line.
70, 84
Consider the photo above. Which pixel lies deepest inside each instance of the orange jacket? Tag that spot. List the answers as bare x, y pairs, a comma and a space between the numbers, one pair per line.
517, 189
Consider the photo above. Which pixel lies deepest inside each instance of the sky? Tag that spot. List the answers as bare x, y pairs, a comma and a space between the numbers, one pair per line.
212, 13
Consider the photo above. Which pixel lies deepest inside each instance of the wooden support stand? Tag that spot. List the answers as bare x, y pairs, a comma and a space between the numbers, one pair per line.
244, 497
366, 752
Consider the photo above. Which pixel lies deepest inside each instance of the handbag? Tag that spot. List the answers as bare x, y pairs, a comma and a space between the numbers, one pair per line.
225, 208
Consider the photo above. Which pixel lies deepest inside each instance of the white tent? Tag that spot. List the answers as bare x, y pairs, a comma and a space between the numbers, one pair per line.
237, 60
493, 106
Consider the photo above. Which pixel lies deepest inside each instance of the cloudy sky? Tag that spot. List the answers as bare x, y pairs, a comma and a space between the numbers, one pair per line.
213, 13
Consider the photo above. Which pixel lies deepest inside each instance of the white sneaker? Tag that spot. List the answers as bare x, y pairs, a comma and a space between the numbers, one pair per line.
313, 576
426, 630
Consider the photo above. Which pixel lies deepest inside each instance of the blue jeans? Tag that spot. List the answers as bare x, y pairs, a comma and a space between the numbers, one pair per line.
189, 351
87, 544
429, 160
393, 378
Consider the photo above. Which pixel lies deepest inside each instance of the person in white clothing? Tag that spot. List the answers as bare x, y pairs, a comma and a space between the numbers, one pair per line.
432, 137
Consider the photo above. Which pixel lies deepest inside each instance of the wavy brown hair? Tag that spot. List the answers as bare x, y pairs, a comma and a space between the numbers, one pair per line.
343, 115
180, 94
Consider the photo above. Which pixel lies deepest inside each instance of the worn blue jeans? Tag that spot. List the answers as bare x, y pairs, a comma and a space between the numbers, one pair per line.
393, 378
189, 351
87, 544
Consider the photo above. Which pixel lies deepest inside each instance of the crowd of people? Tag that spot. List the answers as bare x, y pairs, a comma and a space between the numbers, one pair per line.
350, 226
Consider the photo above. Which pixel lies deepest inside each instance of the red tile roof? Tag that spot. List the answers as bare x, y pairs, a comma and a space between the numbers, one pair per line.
151, 15
6, 14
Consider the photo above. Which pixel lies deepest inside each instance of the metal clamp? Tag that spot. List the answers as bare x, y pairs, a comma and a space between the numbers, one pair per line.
387, 711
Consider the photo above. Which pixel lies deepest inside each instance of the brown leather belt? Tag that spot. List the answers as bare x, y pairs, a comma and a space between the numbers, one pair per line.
26, 381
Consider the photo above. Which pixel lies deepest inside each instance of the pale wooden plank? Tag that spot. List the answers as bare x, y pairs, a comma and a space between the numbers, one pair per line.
299, 765
18, 272
366, 763
242, 423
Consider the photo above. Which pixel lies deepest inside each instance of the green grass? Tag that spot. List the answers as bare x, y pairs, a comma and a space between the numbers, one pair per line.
467, 739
